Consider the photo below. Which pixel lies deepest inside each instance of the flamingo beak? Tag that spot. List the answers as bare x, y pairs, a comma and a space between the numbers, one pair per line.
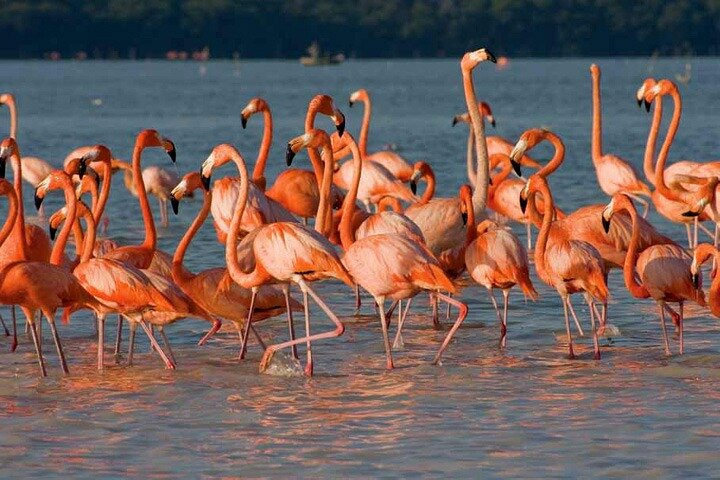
696, 281
647, 106
338, 115
464, 217
455, 121
606, 224
523, 203
243, 121
491, 119
490, 56
690, 213
289, 155
205, 179
639, 102
350, 103
516, 167
82, 169
38, 200
170, 149
53, 231
3, 164
175, 203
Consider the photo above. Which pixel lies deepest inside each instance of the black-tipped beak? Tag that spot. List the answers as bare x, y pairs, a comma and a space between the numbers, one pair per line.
455, 121
639, 100
3, 164
606, 224
38, 201
493, 123
172, 152
289, 155
413, 187
690, 213
82, 169
647, 106
53, 232
175, 203
243, 122
491, 57
489, 180
523, 203
341, 128
205, 180
516, 167
464, 217
696, 280
350, 103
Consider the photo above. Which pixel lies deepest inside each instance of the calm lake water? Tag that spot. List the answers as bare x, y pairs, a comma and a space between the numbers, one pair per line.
522, 412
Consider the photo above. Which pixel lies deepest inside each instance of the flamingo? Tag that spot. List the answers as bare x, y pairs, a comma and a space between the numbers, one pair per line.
157, 182
280, 252
703, 252
394, 163
295, 189
495, 258
213, 289
664, 270
614, 174
46, 286
390, 265
568, 265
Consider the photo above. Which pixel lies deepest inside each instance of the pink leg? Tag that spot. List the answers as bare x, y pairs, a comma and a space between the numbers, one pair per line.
577, 322
358, 302
391, 310
168, 363
664, 330
166, 342
131, 342
58, 345
291, 324
386, 341
118, 339
434, 301
398, 342
213, 330
14, 345
308, 347
36, 341
339, 327
596, 343
571, 353
682, 342
101, 341
503, 325
461, 316
244, 339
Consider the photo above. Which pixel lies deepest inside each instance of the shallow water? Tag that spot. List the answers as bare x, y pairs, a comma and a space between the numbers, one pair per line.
522, 412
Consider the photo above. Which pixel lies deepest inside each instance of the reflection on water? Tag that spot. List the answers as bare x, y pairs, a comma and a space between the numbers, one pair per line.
523, 412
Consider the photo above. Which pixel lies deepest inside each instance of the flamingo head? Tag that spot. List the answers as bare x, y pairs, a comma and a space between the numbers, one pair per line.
56, 180
89, 182
703, 252
255, 105
646, 86
463, 117
358, 96
315, 138
6, 98
421, 169
55, 220
190, 182
465, 195
594, 70
152, 138
8, 148
527, 141
324, 104
471, 59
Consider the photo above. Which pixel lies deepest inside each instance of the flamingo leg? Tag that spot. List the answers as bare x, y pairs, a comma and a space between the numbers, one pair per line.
168, 363
434, 301
14, 345
386, 340
641, 201
7, 332
166, 342
291, 325
339, 327
566, 304
461, 317
577, 322
246, 331
36, 341
528, 230
131, 342
58, 345
118, 339
257, 337
308, 347
38, 326
358, 302
495, 305
398, 342
101, 341
593, 313
503, 325
391, 310
689, 236
682, 342
664, 330
447, 308
217, 324
163, 212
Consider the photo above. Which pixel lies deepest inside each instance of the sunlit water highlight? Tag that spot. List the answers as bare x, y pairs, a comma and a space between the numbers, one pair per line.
522, 412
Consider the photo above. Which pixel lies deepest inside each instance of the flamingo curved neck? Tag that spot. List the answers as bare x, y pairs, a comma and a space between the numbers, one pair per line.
365, 128
649, 158
347, 234
660, 184
11, 218
430, 189
150, 234
58, 250
99, 206
596, 144
323, 221
179, 273
88, 244
317, 162
12, 107
635, 289
714, 294
482, 178
544, 235
258, 176
471, 230
19, 230
469, 159
557, 158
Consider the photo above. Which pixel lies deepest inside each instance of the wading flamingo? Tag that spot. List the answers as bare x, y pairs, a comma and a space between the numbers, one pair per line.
41, 286
213, 289
614, 174
568, 265
157, 181
495, 258
281, 252
390, 265
663, 270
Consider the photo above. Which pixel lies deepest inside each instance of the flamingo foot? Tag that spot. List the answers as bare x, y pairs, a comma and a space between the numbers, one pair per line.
266, 359
309, 369
215, 327
571, 353
397, 345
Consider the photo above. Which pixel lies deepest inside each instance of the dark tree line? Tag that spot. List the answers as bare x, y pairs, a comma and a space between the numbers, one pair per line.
362, 28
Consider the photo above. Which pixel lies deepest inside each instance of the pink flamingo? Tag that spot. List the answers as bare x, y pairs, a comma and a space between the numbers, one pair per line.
281, 252
157, 181
495, 258
391, 265
702, 254
568, 265
614, 174
664, 270
213, 289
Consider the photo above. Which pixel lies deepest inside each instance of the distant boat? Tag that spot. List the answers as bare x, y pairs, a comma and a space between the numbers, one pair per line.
315, 58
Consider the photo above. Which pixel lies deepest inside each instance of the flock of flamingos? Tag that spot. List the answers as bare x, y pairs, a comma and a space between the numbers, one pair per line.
411, 244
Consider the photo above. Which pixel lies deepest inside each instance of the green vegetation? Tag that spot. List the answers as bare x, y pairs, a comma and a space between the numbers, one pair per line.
363, 28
